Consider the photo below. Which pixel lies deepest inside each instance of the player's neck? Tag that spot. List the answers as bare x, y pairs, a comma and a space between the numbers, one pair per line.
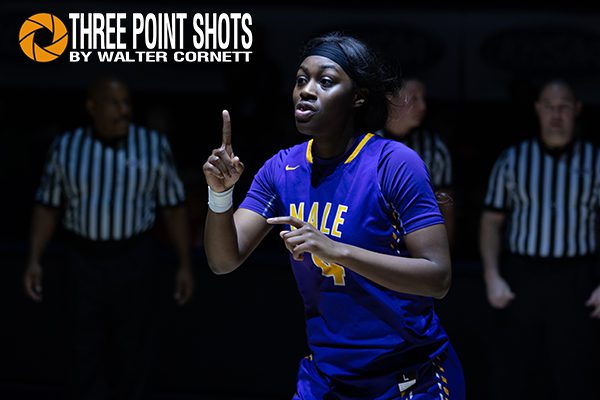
326, 147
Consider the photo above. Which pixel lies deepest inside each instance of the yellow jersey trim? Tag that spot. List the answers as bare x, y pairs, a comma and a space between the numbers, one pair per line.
309, 151
352, 156
358, 148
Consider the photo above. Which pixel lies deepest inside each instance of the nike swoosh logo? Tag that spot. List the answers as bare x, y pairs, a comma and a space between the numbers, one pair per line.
288, 168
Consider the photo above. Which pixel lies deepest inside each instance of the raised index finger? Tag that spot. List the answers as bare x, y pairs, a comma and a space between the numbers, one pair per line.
226, 129
292, 221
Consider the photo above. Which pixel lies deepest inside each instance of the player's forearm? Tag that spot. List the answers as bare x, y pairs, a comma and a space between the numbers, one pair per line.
490, 242
418, 276
178, 229
221, 243
43, 224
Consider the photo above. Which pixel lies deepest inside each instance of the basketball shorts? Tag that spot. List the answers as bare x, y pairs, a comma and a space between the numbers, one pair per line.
438, 379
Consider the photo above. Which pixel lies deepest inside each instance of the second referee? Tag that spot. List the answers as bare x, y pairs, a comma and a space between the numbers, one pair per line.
107, 181
540, 256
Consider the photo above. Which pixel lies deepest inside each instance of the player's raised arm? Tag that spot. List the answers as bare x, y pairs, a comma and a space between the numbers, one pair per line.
222, 169
228, 237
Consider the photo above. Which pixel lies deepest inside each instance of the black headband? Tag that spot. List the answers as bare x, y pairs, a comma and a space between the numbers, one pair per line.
334, 52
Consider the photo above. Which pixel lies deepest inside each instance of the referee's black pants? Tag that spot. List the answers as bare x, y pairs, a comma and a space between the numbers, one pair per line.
546, 344
115, 300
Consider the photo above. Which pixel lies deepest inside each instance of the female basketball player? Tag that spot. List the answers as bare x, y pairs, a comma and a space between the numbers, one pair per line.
368, 246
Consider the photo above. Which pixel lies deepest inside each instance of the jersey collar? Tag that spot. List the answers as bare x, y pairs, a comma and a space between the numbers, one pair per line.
352, 156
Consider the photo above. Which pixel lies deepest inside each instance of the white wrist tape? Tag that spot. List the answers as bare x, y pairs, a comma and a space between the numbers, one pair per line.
220, 202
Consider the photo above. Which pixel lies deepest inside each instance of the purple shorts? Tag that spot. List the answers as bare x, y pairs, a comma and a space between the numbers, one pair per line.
438, 379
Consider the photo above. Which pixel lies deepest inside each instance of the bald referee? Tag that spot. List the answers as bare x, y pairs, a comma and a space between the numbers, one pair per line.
105, 184
540, 255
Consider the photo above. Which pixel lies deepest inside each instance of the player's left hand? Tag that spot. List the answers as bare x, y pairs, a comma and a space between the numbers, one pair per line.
594, 301
184, 285
307, 239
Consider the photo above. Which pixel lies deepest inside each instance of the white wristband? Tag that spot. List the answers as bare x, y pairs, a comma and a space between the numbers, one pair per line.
220, 202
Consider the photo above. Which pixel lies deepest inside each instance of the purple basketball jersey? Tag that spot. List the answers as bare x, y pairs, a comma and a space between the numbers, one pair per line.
374, 195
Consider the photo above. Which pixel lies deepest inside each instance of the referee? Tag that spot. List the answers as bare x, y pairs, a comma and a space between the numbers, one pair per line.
407, 108
106, 182
539, 248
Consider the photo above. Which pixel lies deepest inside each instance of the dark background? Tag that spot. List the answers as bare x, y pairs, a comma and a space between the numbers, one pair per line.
243, 334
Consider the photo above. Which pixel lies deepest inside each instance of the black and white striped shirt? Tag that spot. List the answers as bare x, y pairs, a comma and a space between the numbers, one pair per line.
110, 193
551, 199
434, 153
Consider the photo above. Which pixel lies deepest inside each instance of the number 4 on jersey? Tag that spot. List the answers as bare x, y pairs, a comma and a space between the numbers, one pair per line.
335, 271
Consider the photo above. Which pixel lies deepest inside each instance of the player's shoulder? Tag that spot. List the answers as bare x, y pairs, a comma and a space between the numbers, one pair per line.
397, 152
293, 154
389, 145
